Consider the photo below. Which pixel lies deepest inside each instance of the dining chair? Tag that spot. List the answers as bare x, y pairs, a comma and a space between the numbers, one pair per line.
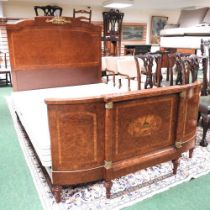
84, 15
4, 70
49, 10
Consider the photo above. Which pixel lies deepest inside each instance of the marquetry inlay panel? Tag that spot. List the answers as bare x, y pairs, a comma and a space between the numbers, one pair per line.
144, 126
151, 127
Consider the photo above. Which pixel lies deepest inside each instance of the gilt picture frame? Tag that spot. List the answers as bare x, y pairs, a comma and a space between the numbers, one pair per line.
157, 24
133, 32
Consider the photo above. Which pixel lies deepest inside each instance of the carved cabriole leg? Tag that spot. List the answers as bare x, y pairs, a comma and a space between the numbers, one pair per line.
199, 116
203, 142
56, 190
191, 152
175, 165
205, 122
108, 186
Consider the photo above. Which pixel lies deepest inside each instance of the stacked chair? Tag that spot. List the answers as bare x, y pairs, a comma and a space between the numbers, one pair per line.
204, 106
109, 67
4, 70
49, 10
145, 71
204, 113
149, 65
135, 71
83, 15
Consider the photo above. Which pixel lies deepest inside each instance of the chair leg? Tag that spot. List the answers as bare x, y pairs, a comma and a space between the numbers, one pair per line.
120, 83
114, 83
171, 77
205, 122
129, 84
107, 78
167, 74
7, 82
199, 116
10, 79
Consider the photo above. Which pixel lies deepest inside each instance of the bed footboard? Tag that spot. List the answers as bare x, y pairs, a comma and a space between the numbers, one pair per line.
111, 136
149, 127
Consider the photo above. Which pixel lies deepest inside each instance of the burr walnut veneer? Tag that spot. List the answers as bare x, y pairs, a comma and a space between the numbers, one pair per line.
104, 137
111, 136
44, 54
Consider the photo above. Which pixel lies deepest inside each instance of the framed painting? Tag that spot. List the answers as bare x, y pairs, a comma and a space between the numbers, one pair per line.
133, 32
157, 24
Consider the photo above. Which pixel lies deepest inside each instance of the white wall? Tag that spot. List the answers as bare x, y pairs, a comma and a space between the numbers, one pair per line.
144, 16
25, 10
1, 10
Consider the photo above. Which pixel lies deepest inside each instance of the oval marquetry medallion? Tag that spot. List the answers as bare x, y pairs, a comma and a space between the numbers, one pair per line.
144, 126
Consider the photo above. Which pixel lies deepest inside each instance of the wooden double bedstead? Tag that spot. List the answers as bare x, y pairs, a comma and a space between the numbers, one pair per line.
84, 130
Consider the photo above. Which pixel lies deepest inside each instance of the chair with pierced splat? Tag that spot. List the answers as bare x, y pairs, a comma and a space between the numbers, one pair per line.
4, 69
204, 113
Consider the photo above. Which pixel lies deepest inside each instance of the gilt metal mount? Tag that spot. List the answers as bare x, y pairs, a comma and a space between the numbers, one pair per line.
107, 164
182, 94
109, 105
178, 144
58, 20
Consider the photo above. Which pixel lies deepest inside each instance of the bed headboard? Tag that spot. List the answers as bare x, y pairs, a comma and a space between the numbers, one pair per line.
47, 52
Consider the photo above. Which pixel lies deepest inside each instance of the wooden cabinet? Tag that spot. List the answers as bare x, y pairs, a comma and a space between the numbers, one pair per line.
112, 21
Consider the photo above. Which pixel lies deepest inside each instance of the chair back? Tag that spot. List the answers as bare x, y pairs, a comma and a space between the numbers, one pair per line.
84, 15
48, 10
187, 67
111, 63
148, 67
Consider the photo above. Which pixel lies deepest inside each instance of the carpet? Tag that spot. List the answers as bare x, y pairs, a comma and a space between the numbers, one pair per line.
126, 190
